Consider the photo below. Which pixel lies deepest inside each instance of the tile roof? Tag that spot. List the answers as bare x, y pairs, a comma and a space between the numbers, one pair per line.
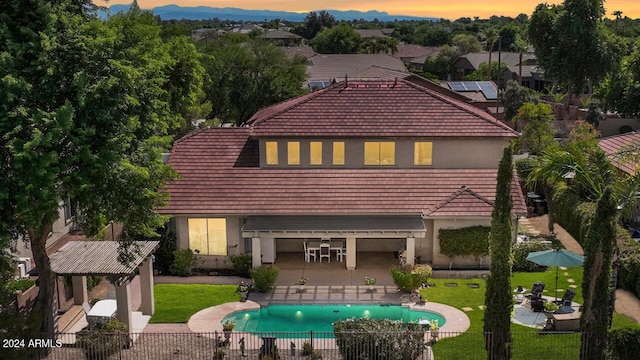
219, 175
409, 51
612, 146
326, 67
376, 108
509, 58
463, 202
279, 34
370, 33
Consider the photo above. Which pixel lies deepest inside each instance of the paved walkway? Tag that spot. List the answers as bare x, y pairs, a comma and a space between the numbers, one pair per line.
626, 302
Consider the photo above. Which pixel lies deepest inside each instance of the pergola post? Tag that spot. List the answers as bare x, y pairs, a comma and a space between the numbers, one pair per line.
256, 252
123, 300
351, 253
411, 250
79, 285
146, 286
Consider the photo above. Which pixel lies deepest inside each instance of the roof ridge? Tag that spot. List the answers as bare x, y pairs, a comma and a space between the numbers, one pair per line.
457, 193
467, 107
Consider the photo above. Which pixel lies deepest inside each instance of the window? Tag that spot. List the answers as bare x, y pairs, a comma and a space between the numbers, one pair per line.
69, 210
422, 153
379, 153
315, 153
293, 153
272, 153
338, 153
208, 236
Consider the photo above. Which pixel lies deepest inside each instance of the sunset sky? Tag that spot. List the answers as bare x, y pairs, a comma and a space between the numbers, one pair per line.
447, 9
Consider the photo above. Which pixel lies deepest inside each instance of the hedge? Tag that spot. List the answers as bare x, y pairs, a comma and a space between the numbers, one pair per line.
468, 241
623, 344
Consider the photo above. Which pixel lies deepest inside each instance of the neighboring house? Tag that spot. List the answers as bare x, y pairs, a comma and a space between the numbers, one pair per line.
532, 76
382, 165
468, 63
245, 28
304, 51
281, 37
370, 33
614, 146
206, 34
409, 52
329, 67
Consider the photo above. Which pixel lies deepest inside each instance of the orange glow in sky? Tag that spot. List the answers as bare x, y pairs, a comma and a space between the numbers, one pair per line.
447, 9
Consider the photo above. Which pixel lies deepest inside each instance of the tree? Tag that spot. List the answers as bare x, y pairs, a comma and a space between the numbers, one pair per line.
379, 45
621, 90
492, 36
340, 39
508, 34
498, 297
599, 244
314, 22
513, 97
483, 70
83, 113
572, 44
431, 35
538, 131
519, 46
244, 79
466, 43
618, 15
440, 64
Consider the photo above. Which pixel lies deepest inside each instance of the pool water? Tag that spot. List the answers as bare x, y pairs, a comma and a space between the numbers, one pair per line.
320, 318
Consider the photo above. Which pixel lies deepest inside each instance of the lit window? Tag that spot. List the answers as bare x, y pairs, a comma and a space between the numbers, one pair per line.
379, 153
293, 153
208, 236
315, 153
338, 153
423, 153
272, 152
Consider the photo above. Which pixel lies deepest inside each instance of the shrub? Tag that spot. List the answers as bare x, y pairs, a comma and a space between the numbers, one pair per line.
264, 277
378, 339
22, 285
242, 264
93, 281
184, 262
520, 252
99, 341
164, 255
410, 278
468, 241
623, 344
307, 349
629, 269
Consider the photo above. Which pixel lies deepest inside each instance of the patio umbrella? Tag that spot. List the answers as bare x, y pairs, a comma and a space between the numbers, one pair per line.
557, 258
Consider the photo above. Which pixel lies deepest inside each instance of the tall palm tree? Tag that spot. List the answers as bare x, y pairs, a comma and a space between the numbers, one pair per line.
618, 15
520, 46
492, 36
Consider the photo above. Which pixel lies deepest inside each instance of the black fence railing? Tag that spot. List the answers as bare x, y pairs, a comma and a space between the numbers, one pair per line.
288, 345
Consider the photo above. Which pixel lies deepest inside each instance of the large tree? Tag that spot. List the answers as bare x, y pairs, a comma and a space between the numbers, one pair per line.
622, 89
340, 39
572, 44
83, 110
498, 296
244, 79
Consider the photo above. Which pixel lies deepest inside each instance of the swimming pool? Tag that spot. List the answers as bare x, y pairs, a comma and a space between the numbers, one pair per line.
320, 318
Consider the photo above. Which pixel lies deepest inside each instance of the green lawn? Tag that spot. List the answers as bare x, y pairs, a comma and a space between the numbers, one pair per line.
175, 303
526, 341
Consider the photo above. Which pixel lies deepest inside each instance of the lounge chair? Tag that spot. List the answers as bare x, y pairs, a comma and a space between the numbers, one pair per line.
536, 291
567, 298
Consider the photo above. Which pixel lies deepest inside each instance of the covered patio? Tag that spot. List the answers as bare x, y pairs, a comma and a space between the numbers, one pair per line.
80, 259
264, 232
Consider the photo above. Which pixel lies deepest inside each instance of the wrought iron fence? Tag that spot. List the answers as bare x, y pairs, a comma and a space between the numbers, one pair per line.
290, 345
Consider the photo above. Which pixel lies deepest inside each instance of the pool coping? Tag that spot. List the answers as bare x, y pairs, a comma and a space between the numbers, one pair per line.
209, 320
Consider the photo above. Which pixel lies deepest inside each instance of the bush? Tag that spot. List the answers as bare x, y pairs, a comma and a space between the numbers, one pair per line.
379, 339
99, 341
21, 285
164, 255
468, 241
623, 344
93, 281
184, 262
629, 269
242, 264
410, 278
264, 277
520, 252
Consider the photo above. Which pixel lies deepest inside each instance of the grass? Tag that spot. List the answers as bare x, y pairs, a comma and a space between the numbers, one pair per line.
526, 341
175, 303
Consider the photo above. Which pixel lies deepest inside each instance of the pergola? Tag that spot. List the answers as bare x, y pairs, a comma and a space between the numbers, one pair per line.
80, 259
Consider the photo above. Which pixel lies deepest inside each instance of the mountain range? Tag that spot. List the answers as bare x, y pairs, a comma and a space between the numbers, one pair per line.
175, 12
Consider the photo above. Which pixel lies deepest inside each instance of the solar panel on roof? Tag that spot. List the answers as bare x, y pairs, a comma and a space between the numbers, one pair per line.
471, 85
457, 86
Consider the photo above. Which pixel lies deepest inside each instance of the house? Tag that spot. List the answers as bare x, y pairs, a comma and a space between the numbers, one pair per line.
381, 165
468, 63
532, 76
370, 33
328, 67
410, 52
281, 37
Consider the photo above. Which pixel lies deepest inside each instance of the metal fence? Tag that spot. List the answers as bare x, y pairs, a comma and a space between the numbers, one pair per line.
291, 345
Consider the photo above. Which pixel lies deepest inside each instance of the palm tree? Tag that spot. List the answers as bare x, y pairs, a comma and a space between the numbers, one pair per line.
520, 46
618, 15
492, 36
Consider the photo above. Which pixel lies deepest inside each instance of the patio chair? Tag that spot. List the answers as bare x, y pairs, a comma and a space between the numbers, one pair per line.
536, 291
567, 298
325, 251
309, 253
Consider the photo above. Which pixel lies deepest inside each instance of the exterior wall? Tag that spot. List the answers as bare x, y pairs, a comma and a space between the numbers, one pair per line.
442, 261
424, 246
448, 153
362, 244
235, 242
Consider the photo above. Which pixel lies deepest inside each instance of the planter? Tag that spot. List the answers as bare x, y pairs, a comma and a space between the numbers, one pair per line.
243, 295
371, 289
227, 334
434, 335
301, 288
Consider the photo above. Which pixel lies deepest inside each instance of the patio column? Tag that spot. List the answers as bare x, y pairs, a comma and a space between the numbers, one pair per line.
123, 301
411, 250
79, 285
146, 286
351, 253
256, 252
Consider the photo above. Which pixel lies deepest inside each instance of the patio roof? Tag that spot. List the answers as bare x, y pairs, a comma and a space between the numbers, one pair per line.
335, 224
98, 258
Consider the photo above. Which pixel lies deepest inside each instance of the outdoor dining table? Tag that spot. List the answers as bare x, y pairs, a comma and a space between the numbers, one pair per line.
336, 246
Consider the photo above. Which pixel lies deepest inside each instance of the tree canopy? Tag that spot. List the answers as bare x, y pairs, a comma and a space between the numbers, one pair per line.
340, 39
